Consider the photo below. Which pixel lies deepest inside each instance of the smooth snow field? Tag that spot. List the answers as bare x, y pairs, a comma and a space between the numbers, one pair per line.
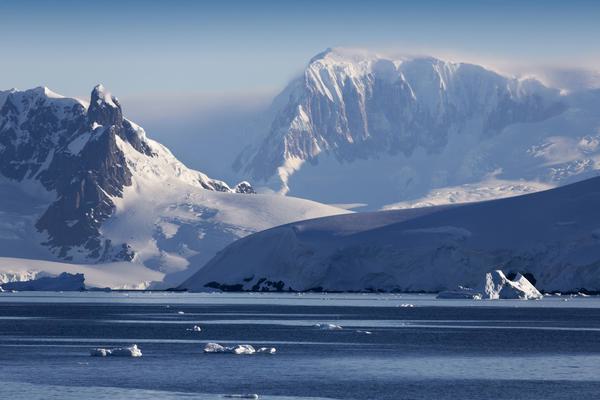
388, 347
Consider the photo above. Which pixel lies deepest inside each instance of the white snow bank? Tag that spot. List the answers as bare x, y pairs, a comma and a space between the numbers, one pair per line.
62, 282
328, 327
498, 286
460, 293
238, 349
115, 275
132, 351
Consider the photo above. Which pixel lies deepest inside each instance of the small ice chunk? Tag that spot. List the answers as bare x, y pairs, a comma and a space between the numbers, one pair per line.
195, 328
180, 312
214, 348
406, 305
328, 327
132, 351
267, 350
238, 349
100, 352
364, 332
241, 396
243, 349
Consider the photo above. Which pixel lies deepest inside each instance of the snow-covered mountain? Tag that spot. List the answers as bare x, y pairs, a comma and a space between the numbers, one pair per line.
358, 127
81, 183
552, 237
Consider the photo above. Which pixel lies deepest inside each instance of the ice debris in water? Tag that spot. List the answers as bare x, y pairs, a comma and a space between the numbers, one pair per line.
241, 396
195, 328
406, 305
328, 327
180, 312
364, 332
132, 351
239, 349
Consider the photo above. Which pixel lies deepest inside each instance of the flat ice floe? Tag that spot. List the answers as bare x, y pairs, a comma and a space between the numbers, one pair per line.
132, 351
238, 349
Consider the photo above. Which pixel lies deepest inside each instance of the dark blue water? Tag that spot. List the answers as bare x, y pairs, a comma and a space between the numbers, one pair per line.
438, 349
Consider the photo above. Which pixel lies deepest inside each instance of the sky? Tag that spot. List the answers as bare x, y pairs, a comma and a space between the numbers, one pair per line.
194, 74
184, 47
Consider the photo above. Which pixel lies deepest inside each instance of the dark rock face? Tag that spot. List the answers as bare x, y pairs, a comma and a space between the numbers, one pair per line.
73, 152
244, 187
76, 153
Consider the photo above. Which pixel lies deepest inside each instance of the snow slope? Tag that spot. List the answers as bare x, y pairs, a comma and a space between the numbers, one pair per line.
82, 184
359, 127
552, 235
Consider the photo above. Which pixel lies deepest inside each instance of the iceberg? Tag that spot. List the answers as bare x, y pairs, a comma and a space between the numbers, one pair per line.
498, 286
132, 351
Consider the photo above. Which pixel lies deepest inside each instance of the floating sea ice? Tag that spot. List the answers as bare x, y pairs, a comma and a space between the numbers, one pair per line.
132, 351
328, 327
239, 349
406, 305
267, 350
364, 332
243, 349
180, 312
100, 352
241, 396
195, 328
215, 348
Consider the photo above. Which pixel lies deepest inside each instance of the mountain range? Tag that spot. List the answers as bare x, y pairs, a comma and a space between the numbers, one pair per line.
82, 184
379, 131
85, 190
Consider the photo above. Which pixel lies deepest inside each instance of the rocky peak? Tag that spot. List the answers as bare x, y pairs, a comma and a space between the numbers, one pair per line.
104, 108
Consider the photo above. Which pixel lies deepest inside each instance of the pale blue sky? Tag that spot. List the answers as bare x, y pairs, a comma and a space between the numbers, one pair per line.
182, 47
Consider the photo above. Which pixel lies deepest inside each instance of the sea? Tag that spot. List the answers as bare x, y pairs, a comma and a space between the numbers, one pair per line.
328, 346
